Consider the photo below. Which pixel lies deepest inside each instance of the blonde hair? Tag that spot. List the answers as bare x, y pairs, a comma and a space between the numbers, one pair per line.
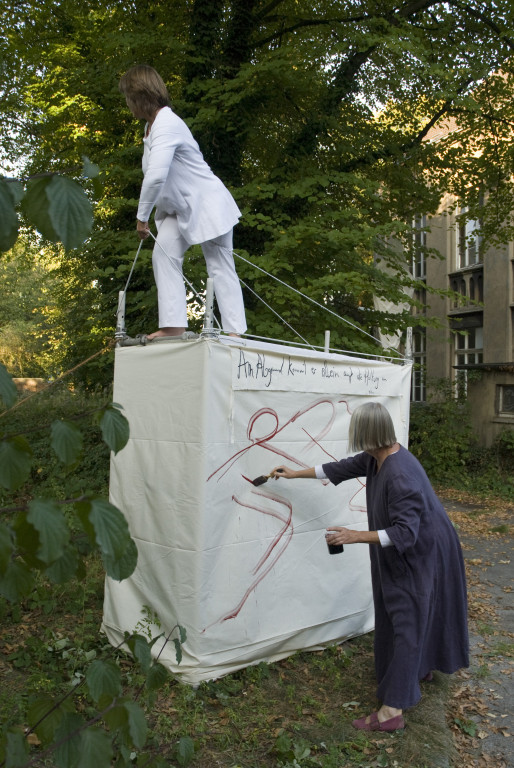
144, 90
371, 427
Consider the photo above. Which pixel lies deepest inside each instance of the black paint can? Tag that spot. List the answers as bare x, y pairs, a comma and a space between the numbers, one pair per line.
335, 549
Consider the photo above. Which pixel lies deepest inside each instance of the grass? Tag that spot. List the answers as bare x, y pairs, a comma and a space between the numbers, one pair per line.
296, 712
299, 709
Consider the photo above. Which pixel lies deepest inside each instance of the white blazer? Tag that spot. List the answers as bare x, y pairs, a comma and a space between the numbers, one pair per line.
177, 180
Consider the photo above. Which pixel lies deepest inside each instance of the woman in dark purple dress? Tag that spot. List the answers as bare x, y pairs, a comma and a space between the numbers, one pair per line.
417, 569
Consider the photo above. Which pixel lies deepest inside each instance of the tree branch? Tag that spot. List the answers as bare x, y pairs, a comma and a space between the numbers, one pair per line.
484, 19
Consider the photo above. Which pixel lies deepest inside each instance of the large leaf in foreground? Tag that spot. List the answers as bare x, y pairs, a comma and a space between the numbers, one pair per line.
107, 528
103, 679
15, 462
115, 428
35, 206
69, 210
66, 441
8, 219
95, 749
48, 520
16, 582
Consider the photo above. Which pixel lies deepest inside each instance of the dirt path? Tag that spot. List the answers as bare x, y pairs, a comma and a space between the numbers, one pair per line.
482, 701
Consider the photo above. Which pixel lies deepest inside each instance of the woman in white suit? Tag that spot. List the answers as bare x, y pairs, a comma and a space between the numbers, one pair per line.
192, 206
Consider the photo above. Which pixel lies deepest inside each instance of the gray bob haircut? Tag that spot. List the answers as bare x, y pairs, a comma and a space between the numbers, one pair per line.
371, 427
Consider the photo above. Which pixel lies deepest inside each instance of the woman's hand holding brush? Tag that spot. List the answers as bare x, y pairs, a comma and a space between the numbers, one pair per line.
285, 472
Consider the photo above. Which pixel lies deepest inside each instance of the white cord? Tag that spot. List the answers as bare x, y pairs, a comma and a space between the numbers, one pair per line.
122, 297
276, 313
268, 274
313, 301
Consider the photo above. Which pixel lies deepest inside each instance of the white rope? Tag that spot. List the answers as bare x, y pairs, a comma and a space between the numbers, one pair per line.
313, 301
174, 266
351, 352
268, 274
122, 297
276, 313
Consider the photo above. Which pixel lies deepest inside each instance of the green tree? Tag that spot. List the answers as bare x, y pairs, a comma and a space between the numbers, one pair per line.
316, 117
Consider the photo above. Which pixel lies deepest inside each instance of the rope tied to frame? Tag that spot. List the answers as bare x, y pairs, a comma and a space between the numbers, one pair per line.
59, 378
268, 274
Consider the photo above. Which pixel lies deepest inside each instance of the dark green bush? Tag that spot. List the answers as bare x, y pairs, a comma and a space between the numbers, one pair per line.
441, 435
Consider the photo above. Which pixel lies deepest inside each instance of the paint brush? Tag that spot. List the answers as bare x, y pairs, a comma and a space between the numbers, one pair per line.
263, 478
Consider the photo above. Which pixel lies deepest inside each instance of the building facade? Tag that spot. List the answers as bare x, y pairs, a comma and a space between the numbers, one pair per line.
474, 345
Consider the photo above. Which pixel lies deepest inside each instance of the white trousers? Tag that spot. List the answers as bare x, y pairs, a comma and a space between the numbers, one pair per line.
167, 260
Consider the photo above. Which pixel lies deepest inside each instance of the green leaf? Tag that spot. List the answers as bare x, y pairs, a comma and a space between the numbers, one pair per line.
7, 388
156, 676
8, 219
66, 441
185, 750
103, 679
44, 719
59, 208
67, 736
141, 651
36, 205
49, 522
92, 171
16, 582
27, 540
17, 750
64, 568
95, 749
124, 566
106, 527
82, 509
6, 547
15, 462
89, 169
115, 428
178, 649
70, 211
111, 529
117, 717
182, 633
16, 190
136, 723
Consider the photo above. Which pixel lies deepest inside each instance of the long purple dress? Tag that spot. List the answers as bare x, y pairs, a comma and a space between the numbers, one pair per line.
419, 585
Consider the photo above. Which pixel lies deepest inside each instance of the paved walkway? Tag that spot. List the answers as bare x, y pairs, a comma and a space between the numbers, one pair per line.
483, 697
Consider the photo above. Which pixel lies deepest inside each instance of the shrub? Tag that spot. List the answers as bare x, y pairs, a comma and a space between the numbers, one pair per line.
441, 435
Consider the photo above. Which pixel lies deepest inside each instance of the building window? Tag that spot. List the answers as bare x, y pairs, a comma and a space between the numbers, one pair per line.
480, 287
469, 350
506, 400
419, 269
418, 392
468, 242
458, 285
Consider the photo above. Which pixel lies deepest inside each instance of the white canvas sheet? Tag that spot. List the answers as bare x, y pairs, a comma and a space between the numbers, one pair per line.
244, 569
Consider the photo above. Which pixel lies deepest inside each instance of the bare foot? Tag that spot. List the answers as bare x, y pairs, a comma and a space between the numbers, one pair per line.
165, 332
387, 713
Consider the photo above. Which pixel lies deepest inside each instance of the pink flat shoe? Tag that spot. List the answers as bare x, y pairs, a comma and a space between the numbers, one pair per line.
393, 724
428, 678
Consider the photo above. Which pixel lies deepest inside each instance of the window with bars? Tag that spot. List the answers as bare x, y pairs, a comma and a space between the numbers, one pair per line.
418, 388
469, 350
506, 400
420, 242
468, 243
